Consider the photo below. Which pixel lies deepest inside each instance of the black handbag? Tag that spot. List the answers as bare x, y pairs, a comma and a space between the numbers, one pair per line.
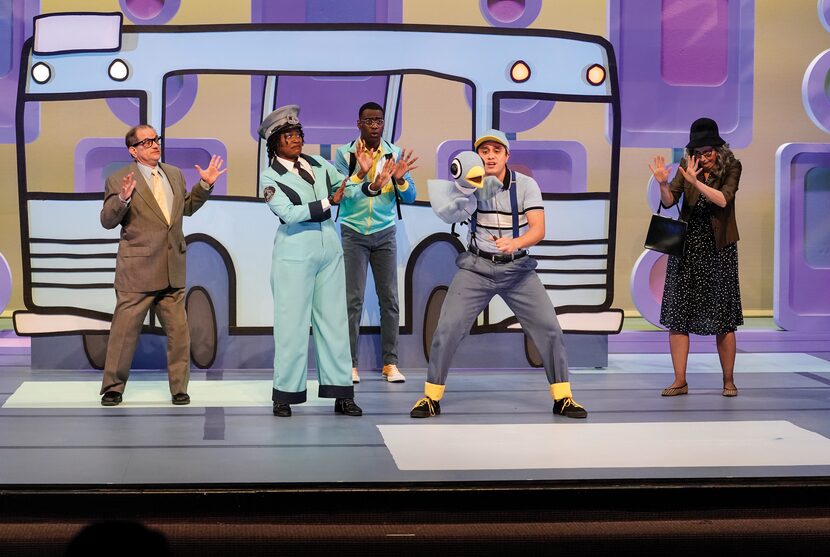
666, 235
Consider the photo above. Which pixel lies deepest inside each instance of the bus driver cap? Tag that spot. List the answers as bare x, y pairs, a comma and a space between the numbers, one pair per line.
287, 116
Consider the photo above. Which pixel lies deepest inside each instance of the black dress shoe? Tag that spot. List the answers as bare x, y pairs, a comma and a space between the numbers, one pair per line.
282, 410
180, 399
111, 398
425, 408
347, 406
569, 408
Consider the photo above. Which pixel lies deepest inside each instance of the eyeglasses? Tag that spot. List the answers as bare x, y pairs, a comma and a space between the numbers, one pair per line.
147, 142
372, 121
704, 151
293, 135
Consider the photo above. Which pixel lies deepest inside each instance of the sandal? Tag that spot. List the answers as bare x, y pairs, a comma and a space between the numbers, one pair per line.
675, 391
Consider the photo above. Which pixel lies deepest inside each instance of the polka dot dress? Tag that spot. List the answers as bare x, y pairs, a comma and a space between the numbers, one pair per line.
701, 295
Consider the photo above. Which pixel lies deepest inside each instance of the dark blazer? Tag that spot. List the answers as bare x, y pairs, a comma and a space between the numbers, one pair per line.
724, 225
151, 254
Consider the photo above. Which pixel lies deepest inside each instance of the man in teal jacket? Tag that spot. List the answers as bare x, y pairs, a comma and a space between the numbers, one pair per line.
367, 218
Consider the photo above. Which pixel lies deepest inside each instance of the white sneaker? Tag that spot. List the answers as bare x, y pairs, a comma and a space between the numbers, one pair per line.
355, 376
392, 374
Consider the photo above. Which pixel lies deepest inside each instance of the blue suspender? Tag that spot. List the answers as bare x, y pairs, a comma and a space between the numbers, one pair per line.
514, 204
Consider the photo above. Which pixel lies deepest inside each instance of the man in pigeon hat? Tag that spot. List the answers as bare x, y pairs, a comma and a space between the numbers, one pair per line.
307, 275
505, 221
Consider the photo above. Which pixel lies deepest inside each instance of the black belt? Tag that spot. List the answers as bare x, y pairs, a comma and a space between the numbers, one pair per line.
498, 257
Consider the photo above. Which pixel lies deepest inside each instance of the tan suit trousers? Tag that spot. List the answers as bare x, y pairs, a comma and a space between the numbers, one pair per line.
130, 310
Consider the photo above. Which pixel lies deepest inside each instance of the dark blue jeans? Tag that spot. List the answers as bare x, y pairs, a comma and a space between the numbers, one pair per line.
380, 251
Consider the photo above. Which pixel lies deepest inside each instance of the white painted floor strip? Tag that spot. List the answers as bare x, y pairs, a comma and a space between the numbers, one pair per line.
149, 394
430, 446
709, 363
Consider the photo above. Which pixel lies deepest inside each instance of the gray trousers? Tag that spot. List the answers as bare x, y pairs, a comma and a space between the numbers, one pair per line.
380, 251
472, 288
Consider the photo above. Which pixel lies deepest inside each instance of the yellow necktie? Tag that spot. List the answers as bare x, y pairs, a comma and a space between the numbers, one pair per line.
160, 195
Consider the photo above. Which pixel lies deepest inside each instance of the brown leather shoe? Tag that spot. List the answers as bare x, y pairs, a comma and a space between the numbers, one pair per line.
676, 391
180, 399
111, 398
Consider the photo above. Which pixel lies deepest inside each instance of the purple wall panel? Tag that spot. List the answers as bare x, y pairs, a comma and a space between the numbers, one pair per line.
648, 277
662, 86
329, 105
5, 282
558, 166
510, 13
814, 91
694, 42
801, 298
816, 222
97, 158
15, 27
149, 12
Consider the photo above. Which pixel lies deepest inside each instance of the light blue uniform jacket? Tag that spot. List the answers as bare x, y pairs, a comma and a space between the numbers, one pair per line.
309, 285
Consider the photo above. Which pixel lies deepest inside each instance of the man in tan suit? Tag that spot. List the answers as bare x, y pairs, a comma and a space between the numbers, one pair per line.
148, 199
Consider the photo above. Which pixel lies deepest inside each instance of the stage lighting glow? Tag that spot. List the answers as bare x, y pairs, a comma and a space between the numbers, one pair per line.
595, 74
41, 72
118, 70
520, 72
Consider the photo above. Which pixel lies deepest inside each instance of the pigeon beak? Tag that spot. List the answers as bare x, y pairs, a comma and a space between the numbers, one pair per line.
475, 177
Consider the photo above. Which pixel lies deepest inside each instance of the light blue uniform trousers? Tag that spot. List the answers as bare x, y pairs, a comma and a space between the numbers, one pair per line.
309, 284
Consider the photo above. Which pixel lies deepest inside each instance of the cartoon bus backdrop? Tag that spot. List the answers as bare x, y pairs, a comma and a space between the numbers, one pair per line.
93, 62
76, 118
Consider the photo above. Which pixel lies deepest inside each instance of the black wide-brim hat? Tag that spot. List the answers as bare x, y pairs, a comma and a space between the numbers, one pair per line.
704, 133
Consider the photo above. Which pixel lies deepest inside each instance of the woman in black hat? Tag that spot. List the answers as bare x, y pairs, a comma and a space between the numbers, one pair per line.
701, 295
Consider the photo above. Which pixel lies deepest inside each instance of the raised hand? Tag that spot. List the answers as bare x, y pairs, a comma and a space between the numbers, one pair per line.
382, 178
362, 157
212, 172
405, 163
690, 172
337, 196
661, 173
127, 187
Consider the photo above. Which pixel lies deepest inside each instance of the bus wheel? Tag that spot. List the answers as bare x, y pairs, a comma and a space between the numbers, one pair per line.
201, 321
532, 353
95, 347
433, 311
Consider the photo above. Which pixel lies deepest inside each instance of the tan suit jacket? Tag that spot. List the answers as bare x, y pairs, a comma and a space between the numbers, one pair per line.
151, 254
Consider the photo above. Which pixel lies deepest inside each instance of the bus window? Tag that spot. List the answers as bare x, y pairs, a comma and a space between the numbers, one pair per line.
80, 135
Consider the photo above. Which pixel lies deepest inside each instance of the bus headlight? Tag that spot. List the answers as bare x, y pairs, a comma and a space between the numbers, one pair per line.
41, 72
595, 75
118, 70
520, 71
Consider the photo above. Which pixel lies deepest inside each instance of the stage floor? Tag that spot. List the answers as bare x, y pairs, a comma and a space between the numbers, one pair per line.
494, 426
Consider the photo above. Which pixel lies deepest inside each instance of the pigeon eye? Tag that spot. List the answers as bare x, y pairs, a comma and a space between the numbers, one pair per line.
455, 169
